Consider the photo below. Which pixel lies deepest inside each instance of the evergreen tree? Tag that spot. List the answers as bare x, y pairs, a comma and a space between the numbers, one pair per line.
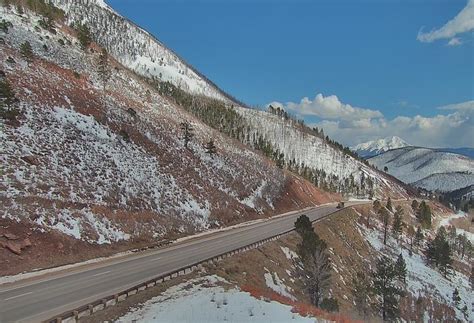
389, 204
7, 101
385, 218
84, 36
411, 234
103, 68
438, 252
456, 297
211, 148
401, 269
7, 95
362, 292
418, 236
188, 132
19, 9
471, 277
376, 205
414, 206
316, 270
397, 225
385, 287
27, 51
424, 214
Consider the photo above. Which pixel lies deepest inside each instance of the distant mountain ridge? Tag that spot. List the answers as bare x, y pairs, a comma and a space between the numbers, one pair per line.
431, 169
375, 147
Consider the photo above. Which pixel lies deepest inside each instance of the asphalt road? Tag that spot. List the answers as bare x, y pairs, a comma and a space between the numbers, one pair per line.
44, 297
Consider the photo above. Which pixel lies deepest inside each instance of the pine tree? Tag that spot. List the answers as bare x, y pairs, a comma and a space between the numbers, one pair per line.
19, 9
362, 291
188, 132
84, 36
7, 95
376, 205
411, 234
414, 205
471, 277
27, 51
316, 271
456, 297
397, 225
418, 236
103, 68
389, 204
211, 148
401, 269
385, 287
385, 218
424, 214
438, 252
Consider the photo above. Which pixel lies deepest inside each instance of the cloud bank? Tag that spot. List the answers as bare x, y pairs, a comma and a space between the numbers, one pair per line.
352, 125
462, 23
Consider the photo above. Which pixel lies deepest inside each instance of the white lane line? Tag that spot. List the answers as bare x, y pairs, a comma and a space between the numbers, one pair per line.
13, 297
103, 273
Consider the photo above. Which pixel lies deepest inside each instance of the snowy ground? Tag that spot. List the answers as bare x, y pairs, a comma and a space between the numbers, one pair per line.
447, 222
422, 279
206, 300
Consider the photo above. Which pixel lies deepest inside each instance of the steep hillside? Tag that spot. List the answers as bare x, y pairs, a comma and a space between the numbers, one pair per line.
375, 147
82, 166
135, 48
307, 152
144, 54
427, 168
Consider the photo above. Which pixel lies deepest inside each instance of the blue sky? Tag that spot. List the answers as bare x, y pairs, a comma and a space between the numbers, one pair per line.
367, 53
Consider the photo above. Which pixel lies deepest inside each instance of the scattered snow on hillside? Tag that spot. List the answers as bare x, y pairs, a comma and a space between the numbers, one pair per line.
418, 165
205, 300
290, 254
273, 281
375, 147
422, 279
136, 48
304, 148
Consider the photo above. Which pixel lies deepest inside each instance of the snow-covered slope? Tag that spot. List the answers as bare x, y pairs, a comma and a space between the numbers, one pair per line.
375, 147
135, 48
103, 167
427, 168
306, 149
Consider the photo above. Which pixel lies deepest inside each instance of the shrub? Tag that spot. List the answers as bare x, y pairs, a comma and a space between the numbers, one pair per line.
330, 305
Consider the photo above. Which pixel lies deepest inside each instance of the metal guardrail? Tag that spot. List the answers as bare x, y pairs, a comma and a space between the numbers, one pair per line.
104, 302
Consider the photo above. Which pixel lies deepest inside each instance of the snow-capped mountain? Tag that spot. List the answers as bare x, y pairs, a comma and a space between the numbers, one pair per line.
427, 168
375, 147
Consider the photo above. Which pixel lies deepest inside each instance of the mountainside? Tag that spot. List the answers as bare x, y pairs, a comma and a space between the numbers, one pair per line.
135, 48
87, 161
375, 147
305, 151
82, 166
468, 152
427, 168
144, 54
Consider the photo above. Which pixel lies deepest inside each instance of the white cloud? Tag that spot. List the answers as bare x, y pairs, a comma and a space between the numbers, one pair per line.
454, 42
329, 107
452, 130
468, 105
463, 22
352, 125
